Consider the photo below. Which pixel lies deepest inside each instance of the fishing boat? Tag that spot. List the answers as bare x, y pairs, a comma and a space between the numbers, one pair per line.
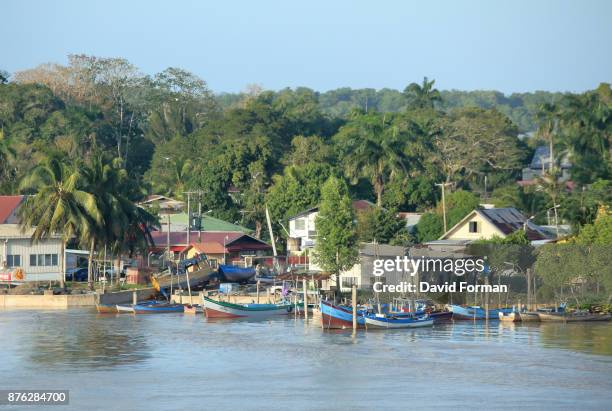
392, 321
573, 317
223, 309
106, 308
475, 312
513, 317
405, 306
125, 308
160, 308
335, 316
530, 316
194, 309
236, 274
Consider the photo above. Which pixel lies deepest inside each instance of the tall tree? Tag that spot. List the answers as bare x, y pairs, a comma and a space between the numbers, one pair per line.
336, 246
422, 95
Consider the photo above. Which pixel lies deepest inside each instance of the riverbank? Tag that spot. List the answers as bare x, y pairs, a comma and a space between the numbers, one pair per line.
65, 301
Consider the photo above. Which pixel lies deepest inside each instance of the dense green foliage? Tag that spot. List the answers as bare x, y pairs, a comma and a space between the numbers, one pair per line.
169, 134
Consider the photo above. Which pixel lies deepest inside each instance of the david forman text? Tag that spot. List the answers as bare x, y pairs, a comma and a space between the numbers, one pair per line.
425, 287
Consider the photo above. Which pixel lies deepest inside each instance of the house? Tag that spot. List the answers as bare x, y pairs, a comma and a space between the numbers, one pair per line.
541, 162
22, 260
484, 224
361, 274
165, 205
230, 247
302, 227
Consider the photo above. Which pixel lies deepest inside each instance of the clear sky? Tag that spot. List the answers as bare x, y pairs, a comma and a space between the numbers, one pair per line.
512, 45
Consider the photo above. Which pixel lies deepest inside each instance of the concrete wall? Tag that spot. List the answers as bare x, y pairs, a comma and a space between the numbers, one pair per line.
125, 297
47, 301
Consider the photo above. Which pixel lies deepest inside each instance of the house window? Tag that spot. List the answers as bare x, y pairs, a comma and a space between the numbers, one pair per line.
300, 224
473, 226
43, 260
13, 260
348, 282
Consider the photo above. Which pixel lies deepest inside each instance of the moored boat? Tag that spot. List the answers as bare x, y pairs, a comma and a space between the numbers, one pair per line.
236, 274
335, 316
513, 317
475, 312
106, 308
125, 308
160, 308
573, 317
530, 316
223, 309
392, 321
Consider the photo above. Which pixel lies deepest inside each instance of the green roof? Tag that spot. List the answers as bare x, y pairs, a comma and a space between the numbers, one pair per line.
208, 223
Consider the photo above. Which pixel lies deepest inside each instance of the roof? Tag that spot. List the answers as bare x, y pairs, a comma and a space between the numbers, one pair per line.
541, 159
179, 238
358, 205
180, 221
506, 220
211, 247
8, 209
381, 250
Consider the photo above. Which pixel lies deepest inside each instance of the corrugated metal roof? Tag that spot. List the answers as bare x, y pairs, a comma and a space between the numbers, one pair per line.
509, 219
8, 209
381, 250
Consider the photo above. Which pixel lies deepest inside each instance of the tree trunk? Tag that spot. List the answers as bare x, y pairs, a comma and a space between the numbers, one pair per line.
258, 226
63, 266
92, 246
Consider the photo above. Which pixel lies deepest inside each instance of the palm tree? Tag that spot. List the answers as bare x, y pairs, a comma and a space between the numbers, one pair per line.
548, 114
423, 95
59, 207
372, 149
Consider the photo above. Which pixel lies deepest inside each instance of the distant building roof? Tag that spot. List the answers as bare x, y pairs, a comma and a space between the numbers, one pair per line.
8, 209
227, 238
180, 222
211, 247
381, 250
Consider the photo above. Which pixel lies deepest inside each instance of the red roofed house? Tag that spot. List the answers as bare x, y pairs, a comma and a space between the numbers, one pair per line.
20, 259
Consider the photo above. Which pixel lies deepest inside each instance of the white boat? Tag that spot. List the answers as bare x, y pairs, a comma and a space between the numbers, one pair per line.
390, 321
513, 317
125, 308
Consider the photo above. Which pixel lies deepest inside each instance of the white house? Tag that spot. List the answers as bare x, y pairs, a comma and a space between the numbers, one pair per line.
20, 259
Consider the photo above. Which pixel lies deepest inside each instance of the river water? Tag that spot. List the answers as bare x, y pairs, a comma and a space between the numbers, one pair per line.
184, 362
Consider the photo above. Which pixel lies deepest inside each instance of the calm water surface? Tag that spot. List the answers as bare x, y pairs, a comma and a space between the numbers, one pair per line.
181, 362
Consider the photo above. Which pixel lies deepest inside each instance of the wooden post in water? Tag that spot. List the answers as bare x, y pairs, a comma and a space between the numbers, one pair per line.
257, 291
305, 299
486, 297
529, 301
134, 297
354, 302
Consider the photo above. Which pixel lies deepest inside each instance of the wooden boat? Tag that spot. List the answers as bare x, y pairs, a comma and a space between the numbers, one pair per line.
530, 316
392, 321
106, 308
193, 309
335, 316
160, 308
513, 317
475, 312
125, 308
573, 317
222, 309
236, 274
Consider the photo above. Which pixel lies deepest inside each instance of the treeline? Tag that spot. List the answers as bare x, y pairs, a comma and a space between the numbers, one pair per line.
244, 152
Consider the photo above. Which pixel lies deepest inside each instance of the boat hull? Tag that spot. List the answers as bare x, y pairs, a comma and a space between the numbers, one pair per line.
563, 317
398, 322
476, 313
194, 309
125, 309
220, 309
336, 317
530, 317
512, 317
158, 308
106, 308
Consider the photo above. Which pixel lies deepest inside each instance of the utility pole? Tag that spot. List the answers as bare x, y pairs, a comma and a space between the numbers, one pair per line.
442, 185
188, 217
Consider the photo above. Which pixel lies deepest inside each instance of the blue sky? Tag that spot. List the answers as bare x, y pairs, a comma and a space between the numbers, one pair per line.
505, 45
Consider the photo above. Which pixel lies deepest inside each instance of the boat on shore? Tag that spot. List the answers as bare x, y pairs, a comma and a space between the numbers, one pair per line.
160, 308
392, 321
338, 317
476, 312
223, 309
236, 274
573, 317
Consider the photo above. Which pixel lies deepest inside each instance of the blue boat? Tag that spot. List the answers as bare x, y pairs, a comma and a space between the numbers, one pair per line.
158, 308
475, 312
392, 321
337, 316
236, 274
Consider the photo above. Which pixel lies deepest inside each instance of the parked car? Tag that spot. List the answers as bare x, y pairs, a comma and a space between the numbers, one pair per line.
76, 274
